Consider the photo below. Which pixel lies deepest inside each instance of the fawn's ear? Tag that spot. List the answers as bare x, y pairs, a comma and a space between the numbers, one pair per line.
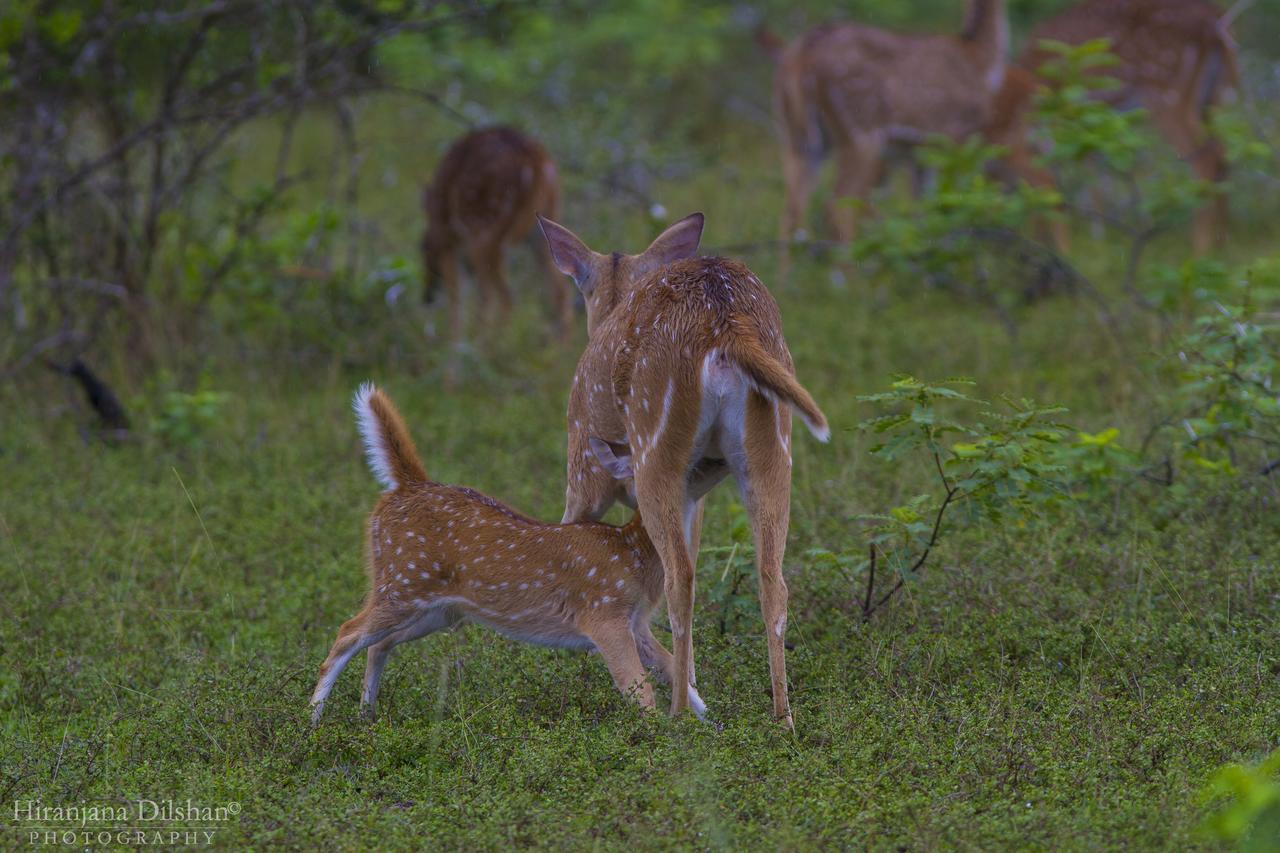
619, 467
677, 242
571, 255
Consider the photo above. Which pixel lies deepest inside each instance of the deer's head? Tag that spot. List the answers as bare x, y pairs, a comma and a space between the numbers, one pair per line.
605, 280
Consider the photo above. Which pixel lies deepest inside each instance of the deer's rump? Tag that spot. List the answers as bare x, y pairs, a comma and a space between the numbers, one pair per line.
1176, 45
694, 323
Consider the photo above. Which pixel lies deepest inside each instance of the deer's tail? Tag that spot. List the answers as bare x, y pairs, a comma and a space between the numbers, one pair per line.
392, 457
773, 376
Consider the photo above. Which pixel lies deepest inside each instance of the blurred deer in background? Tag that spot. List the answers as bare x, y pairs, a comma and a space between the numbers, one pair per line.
1177, 60
687, 373
486, 195
854, 90
438, 555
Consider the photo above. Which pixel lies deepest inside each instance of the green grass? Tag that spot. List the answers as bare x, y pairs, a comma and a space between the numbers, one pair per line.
1067, 684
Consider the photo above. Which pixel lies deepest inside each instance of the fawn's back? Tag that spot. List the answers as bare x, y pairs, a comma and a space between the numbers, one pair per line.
434, 546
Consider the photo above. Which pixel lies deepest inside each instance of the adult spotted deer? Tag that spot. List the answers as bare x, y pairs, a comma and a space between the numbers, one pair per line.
854, 90
686, 370
437, 555
485, 196
1176, 59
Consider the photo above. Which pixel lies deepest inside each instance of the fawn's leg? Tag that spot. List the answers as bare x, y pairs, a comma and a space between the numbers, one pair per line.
431, 621
656, 657
763, 473
356, 634
1021, 162
612, 637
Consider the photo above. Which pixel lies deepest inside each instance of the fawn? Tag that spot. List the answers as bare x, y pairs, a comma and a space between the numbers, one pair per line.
485, 195
859, 89
687, 372
438, 555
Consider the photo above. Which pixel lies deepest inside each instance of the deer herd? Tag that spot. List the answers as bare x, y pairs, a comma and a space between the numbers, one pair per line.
686, 378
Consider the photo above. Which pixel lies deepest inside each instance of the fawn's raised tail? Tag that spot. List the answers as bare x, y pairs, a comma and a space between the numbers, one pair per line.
772, 375
387, 445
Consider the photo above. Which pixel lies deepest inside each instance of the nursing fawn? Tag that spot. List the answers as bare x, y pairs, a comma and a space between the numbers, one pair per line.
686, 368
438, 555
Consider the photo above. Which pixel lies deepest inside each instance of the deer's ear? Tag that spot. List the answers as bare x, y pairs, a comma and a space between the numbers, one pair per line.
618, 466
676, 243
571, 255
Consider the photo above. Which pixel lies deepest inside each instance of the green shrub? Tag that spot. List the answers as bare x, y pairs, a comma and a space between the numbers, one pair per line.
1228, 389
1250, 815
185, 418
1003, 470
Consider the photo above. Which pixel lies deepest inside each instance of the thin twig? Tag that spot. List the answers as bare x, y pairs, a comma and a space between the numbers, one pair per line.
933, 539
871, 581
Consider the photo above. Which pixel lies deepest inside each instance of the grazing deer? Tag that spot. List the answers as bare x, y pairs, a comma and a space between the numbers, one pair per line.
438, 555
685, 370
486, 195
1176, 59
855, 90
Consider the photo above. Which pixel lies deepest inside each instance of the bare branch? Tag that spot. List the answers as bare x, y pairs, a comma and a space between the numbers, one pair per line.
951, 494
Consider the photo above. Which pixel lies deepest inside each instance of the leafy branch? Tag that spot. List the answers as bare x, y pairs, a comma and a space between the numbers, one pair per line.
1000, 463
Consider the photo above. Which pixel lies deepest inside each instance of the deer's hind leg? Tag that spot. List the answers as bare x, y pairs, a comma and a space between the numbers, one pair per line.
662, 441
1187, 133
450, 272
859, 166
366, 628
763, 473
432, 620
